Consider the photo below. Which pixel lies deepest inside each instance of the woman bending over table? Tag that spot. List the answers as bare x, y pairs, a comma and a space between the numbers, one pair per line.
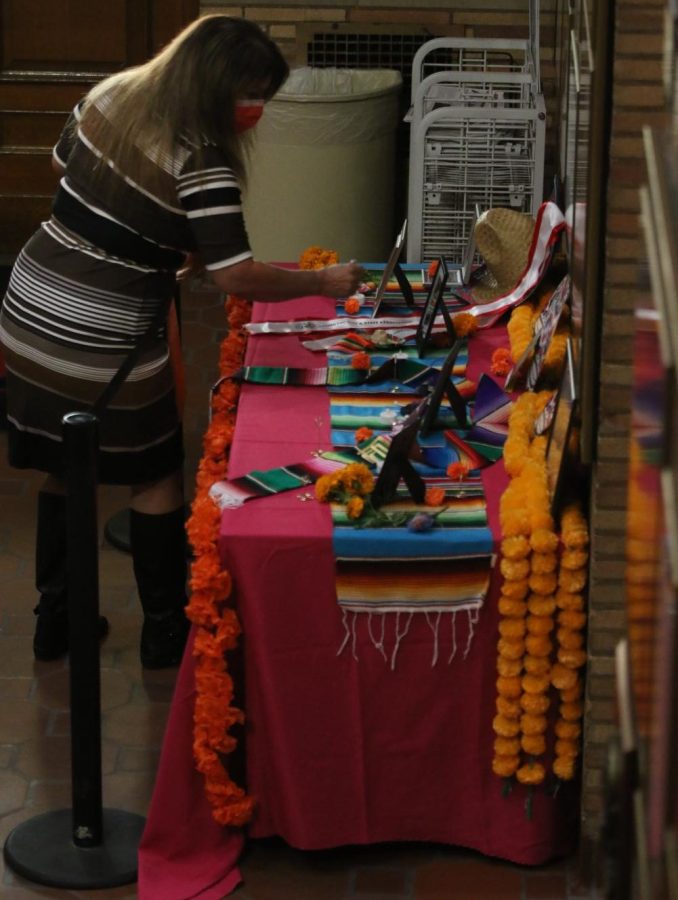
152, 162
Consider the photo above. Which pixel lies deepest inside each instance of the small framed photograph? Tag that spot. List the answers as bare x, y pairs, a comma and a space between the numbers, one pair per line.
391, 268
544, 330
562, 457
434, 304
445, 387
397, 463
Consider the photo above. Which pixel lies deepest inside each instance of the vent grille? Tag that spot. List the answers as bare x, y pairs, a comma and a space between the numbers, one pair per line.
366, 51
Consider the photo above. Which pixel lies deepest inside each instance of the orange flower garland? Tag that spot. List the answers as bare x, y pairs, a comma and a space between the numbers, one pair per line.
570, 640
217, 624
533, 585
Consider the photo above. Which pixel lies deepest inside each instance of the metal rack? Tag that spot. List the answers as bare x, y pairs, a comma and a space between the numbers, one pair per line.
477, 137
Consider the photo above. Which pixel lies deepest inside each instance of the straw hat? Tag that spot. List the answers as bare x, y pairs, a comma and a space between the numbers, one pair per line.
503, 238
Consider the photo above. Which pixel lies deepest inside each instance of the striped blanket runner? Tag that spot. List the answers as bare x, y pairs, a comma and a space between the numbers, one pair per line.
392, 574
263, 483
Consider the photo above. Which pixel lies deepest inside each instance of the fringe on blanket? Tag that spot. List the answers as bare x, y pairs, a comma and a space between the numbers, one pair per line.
401, 621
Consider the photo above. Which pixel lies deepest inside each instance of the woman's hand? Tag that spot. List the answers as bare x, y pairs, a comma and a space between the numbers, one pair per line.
342, 279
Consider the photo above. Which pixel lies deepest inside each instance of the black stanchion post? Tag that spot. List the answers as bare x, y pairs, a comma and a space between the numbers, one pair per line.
80, 445
87, 846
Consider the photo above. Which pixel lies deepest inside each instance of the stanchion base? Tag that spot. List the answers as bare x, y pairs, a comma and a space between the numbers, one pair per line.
42, 850
116, 531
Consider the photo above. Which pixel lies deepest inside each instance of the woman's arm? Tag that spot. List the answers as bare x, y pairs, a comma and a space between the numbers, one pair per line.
259, 281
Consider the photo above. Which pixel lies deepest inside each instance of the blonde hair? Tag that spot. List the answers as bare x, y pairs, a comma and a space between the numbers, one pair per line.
185, 95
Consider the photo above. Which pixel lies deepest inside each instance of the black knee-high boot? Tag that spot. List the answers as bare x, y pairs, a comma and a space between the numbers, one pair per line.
51, 628
159, 555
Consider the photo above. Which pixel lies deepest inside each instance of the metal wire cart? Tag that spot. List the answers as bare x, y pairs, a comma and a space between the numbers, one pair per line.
477, 137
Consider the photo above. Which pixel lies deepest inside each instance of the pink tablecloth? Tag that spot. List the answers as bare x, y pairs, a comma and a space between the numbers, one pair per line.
339, 750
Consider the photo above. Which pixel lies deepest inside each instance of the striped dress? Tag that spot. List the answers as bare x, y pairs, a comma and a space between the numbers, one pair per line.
87, 286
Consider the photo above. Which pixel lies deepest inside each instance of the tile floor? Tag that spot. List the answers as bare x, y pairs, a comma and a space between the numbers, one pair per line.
35, 731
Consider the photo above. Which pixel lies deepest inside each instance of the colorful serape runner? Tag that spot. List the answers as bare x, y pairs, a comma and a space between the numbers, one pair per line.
396, 572
262, 483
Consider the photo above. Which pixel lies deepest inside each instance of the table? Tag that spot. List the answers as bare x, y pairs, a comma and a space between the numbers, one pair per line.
339, 750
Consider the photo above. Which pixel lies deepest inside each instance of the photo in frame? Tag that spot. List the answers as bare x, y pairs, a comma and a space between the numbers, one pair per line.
397, 465
562, 458
434, 304
445, 387
545, 328
392, 268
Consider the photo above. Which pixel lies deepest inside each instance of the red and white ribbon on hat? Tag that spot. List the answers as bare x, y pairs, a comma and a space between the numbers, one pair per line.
550, 222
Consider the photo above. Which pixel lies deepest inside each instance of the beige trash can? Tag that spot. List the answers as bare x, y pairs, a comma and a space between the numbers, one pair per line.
322, 167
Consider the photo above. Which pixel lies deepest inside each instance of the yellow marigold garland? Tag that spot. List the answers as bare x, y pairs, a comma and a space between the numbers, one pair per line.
533, 588
571, 654
217, 623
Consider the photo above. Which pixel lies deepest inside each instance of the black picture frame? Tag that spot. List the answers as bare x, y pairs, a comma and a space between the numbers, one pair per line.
397, 464
434, 303
561, 461
392, 267
445, 387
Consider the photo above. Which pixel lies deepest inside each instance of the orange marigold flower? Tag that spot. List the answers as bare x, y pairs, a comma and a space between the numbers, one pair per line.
568, 731
563, 677
512, 628
539, 624
352, 305
511, 649
566, 748
564, 767
465, 324
517, 547
514, 569
508, 707
322, 489
500, 363
537, 665
533, 744
533, 724
532, 773
516, 590
535, 684
509, 667
506, 746
539, 605
457, 471
435, 496
569, 639
572, 658
538, 645
354, 507
537, 704
360, 360
508, 687
363, 434
315, 257
505, 766
505, 727
510, 607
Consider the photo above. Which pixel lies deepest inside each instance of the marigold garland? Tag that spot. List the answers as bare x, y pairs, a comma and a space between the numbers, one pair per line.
217, 624
536, 584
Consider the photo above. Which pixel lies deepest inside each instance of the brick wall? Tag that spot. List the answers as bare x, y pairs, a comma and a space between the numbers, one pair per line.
638, 99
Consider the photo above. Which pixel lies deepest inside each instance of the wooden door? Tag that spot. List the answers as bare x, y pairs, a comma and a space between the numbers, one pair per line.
51, 52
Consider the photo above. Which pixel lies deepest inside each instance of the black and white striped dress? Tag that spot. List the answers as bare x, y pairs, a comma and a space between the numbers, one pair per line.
87, 285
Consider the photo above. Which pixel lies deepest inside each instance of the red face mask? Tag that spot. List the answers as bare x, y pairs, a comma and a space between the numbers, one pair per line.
247, 114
